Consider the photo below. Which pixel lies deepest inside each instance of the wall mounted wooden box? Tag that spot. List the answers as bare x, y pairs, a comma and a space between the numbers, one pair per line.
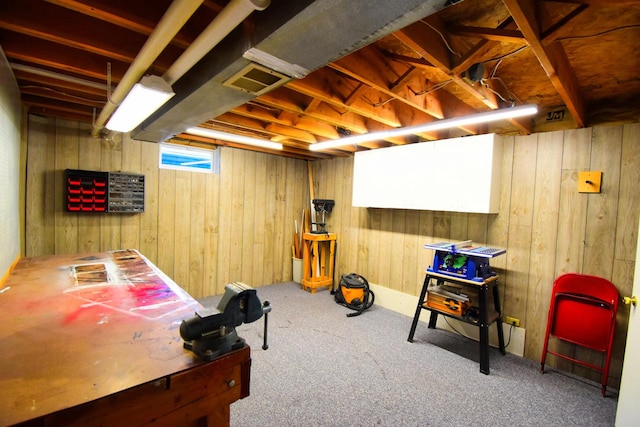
458, 174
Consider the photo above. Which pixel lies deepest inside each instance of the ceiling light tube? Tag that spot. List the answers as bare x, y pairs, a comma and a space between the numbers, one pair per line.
215, 134
142, 100
486, 117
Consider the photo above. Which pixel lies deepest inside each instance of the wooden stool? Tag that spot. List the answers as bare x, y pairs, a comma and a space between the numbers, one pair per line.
317, 260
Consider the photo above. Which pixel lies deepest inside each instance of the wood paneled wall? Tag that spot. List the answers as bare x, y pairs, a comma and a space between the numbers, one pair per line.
203, 230
547, 227
207, 230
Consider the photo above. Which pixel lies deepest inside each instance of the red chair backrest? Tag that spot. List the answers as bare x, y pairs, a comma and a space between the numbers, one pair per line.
583, 310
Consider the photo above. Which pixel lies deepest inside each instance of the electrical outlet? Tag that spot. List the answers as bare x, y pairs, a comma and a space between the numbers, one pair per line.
512, 321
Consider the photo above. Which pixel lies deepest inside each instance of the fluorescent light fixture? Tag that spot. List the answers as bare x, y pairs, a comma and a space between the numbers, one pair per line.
142, 100
489, 116
275, 63
215, 134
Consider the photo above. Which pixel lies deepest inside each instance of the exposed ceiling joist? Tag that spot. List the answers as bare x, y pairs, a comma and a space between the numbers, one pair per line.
371, 68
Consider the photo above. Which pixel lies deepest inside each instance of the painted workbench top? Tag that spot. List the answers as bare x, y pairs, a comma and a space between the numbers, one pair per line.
79, 327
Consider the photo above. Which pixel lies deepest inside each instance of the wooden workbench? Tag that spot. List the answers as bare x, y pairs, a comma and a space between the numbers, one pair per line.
94, 339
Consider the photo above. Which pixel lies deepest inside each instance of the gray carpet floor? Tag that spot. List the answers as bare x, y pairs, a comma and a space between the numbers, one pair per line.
324, 369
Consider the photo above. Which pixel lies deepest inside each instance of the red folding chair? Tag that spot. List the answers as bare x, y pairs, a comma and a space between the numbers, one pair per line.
583, 312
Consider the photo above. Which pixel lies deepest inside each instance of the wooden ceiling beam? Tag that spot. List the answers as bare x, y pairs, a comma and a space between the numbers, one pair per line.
493, 34
272, 130
550, 34
333, 115
291, 132
34, 20
382, 73
552, 57
45, 110
61, 58
51, 105
185, 139
26, 78
420, 35
334, 89
46, 93
601, 3
115, 16
478, 53
286, 100
287, 118
424, 47
316, 127
259, 132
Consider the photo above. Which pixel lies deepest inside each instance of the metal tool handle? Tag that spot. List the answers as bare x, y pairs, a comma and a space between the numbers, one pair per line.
266, 308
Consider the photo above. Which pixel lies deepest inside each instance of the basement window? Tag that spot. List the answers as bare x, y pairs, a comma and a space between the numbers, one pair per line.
189, 159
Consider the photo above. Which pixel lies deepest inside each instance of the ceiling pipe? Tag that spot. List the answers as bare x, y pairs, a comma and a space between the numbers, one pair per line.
229, 18
172, 21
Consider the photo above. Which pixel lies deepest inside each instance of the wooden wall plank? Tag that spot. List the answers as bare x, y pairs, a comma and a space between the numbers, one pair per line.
395, 251
182, 226
350, 219
288, 217
543, 238
66, 157
374, 220
386, 238
459, 226
520, 222
167, 198
572, 213
280, 217
197, 236
40, 187
410, 265
247, 219
363, 245
131, 163
424, 257
224, 225
626, 241
111, 160
270, 222
498, 225
89, 225
149, 237
211, 232
260, 217
602, 208
237, 214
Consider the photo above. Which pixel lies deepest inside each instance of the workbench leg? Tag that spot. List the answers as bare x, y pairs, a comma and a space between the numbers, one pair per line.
433, 320
423, 294
496, 306
484, 331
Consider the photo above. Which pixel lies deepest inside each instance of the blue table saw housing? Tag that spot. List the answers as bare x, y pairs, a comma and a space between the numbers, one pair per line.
462, 260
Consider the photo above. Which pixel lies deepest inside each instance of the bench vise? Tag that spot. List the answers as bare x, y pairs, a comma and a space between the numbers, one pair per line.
210, 335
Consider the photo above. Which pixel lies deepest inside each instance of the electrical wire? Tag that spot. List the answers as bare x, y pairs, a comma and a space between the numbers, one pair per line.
513, 95
454, 329
443, 39
433, 88
586, 36
509, 340
506, 55
463, 335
